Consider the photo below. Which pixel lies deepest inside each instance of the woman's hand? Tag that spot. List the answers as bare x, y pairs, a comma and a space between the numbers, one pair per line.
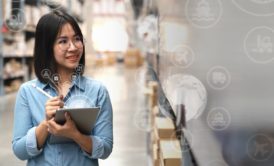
68, 130
52, 105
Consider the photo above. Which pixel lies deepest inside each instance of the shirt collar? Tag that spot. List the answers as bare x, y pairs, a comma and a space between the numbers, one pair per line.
41, 84
79, 82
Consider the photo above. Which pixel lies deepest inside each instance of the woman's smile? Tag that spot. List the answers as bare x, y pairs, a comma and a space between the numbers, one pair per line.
73, 58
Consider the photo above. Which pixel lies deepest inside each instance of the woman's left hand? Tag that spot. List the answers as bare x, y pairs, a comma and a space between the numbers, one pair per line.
67, 130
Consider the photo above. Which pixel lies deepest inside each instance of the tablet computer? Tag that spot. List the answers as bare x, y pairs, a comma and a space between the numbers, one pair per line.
84, 119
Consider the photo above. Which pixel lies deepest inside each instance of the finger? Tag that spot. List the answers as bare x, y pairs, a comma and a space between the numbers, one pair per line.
61, 97
55, 103
52, 108
50, 121
62, 104
53, 99
67, 116
53, 125
50, 128
51, 112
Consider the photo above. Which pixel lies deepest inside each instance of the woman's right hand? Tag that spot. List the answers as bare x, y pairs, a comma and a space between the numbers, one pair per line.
52, 105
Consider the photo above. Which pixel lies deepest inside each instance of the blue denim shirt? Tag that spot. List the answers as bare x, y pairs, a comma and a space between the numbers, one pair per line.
29, 111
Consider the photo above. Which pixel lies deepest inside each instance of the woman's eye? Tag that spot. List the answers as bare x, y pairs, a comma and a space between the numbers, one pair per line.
78, 38
62, 41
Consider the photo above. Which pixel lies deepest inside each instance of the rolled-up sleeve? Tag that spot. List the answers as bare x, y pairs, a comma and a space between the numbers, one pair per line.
102, 136
31, 143
24, 139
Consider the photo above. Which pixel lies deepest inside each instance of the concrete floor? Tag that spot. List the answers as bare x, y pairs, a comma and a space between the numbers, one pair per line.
130, 147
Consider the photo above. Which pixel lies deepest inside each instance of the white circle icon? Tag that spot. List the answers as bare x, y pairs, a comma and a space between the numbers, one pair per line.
54, 4
74, 77
259, 147
218, 77
79, 68
218, 118
256, 7
56, 78
142, 121
203, 13
258, 44
16, 21
189, 91
79, 101
182, 56
46, 73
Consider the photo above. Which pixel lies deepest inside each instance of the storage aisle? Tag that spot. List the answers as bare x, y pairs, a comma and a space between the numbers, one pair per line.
130, 147
127, 100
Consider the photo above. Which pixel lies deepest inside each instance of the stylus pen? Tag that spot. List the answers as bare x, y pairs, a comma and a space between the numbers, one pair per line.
42, 91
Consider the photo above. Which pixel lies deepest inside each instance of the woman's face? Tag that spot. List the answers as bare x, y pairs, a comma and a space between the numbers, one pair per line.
68, 48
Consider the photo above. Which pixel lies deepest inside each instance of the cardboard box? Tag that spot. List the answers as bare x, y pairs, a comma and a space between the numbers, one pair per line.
111, 58
101, 59
165, 128
153, 86
171, 154
152, 93
133, 58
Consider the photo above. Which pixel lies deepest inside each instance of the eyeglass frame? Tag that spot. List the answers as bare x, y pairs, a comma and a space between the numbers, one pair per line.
70, 41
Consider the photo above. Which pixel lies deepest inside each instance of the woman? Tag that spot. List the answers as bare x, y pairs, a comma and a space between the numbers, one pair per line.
58, 54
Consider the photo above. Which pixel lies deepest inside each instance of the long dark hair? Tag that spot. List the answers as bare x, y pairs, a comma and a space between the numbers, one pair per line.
46, 33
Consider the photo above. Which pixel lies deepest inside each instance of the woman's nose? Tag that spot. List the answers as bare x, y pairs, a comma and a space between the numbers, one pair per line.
72, 46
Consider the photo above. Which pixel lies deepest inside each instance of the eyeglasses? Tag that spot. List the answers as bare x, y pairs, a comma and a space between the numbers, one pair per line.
64, 43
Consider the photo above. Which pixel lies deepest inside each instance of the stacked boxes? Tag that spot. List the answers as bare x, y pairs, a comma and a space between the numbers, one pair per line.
152, 93
105, 58
170, 153
165, 128
166, 150
165, 146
